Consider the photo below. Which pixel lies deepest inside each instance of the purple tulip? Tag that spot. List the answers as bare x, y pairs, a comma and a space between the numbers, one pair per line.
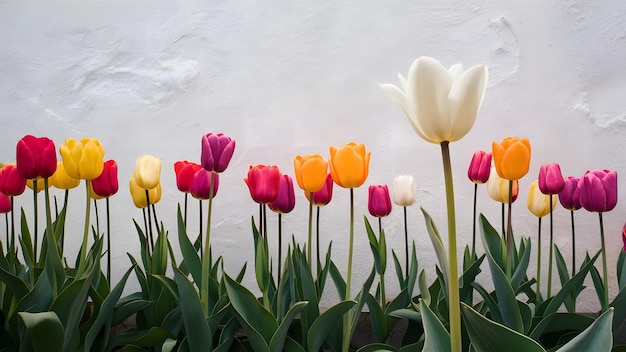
570, 195
550, 179
324, 195
624, 236
598, 190
479, 168
217, 150
286, 199
200, 187
379, 201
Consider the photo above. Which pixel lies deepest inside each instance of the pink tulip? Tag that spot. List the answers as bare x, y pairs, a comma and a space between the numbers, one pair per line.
286, 199
36, 157
570, 195
478, 171
379, 201
550, 179
598, 190
200, 187
324, 195
11, 182
263, 183
5, 204
106, 184
217, 150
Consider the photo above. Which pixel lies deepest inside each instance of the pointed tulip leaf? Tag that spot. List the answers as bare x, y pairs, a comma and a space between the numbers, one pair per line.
440, 250
40, 332
190, 254
325, 323
377, 347
196, 326
437, 337
278, 340
597, 337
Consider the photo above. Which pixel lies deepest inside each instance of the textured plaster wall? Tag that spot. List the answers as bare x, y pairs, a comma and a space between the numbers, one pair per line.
285, 78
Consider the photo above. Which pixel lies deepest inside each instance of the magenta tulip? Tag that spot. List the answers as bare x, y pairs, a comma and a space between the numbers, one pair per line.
324, 195
200, 187
598, 190
11, 182
217, 150
550, 179
184, 171
624, 236
5, 204
36, 157
570, 195
379, 201
263, 183
478, 171
106, 184
286, 199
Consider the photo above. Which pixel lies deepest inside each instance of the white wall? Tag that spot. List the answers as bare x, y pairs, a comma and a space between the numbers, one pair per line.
285, 78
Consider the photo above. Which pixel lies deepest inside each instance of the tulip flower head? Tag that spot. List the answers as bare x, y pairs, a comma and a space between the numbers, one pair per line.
200, 187
349, 165
11, 182
324, 195
569, 197
36, 157
403, 190
498, 188
184, 173
106, 184
148, 171
379, 202
550, 179
263, 183
538, 202
286, 199
441, 104
217, 150
139, 194
5, 204
480, 167
83, 159
310, 171
61, 180
598, 190
511, 157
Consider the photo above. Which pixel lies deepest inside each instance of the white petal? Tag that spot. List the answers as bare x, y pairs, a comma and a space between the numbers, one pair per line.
456, 71
399, 97
466, 96
428, 86
402, 81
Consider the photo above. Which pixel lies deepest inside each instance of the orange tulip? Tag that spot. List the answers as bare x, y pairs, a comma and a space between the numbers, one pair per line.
349, 165
311, 171
511, 157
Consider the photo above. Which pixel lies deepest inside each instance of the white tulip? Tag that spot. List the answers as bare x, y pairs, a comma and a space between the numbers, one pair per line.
403, 190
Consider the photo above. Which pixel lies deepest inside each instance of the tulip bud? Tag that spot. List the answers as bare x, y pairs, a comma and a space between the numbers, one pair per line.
11, 182
286, 199
379, 202
404, 191
5, 204
184, 173
598, 190
201, 184
36, 157
511, 157
61, 180
498, 188
324, 195
217, 150
550, 179
479, 168
311, 171
538, 202
349, 165
569, 197
83, 159
148, 171
139, 194
106, 184
263, 183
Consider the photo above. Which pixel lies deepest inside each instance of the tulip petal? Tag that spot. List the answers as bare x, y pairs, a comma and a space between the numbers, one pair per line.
400, 97
465, 97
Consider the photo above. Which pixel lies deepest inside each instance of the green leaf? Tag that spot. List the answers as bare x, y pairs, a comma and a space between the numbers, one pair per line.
190, 254
597, 337
374, 347
621, 269
325, 323
278, 340
487, 335
40, 332
425, 292
437, 337
196, 326
412, 274
556, 322
522, 265
493, 243
378, 317
151, 337
619, 313
340, 283
440, 250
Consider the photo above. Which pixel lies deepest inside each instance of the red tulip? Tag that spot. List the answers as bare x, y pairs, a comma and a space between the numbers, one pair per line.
184, 173
36, 157
324, 195
598, 190
106, 184
570, 195
263, 183
11, 182
286, 199
5, 204
479, 168
217, 150
379, 202
550, 179
200, 187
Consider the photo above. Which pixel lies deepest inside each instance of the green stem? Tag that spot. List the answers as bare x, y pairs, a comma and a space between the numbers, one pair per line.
538, 298
185, 215
605, 275
83, 248
347, 318
95, 208
509, 233
406, 245
474, 223
51, 241
151, 242
309, 244
551, 253
317, 240
12, 245
108, 241
280, 246
573, 244
35, 233
206, 257
382, 274
67, 193
453, 279
200, 217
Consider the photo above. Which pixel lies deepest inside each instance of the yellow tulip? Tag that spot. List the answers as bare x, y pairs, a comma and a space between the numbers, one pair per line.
539, 203
83, 159
40, 184
139, 194
311, 171
349, 165
147, 171
498, 188
61, 180
511, 157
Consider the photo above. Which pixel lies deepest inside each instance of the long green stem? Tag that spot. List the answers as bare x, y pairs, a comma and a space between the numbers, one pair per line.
551, 250
309, 244
151, 242
605, 275
474, 223
538, 298
83, 248
509, 233
36, 216
49, 236
382, 274
347, 318
67, 193
185, 215
12, 243
280, 246
200, 228
317, 240
573, 244
406, 245
206, 256
453, 280
108, 241
95, 208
